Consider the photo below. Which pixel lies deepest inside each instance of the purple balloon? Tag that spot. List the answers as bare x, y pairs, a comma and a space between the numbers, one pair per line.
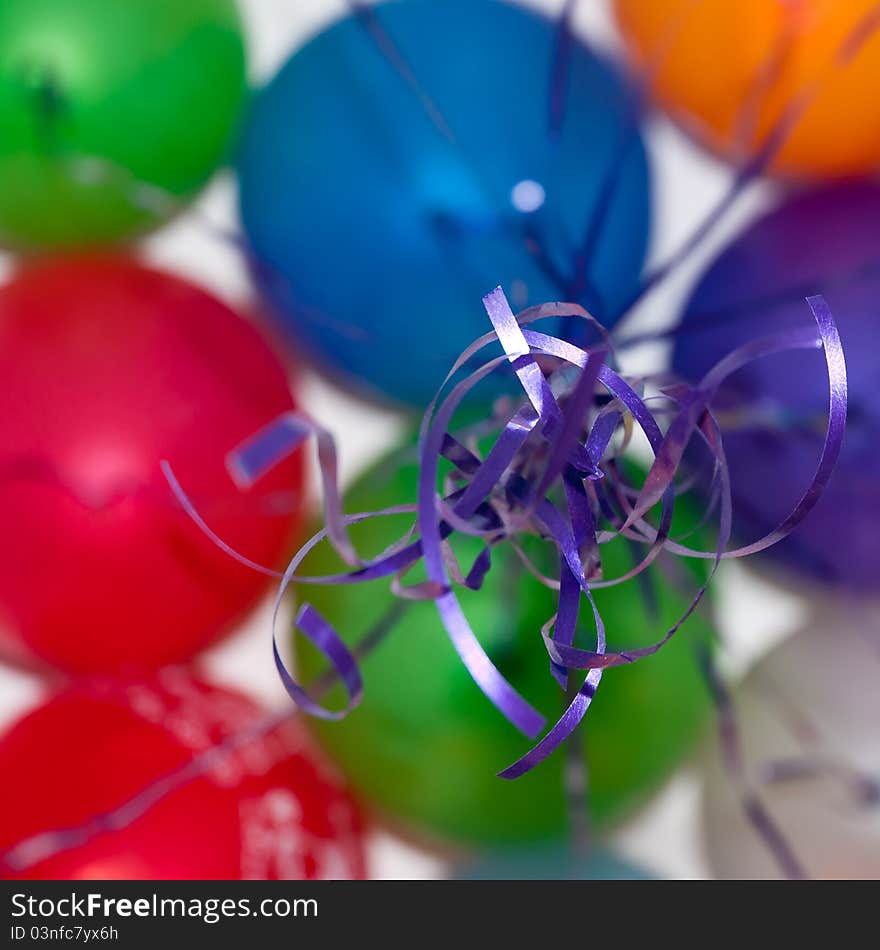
826, 242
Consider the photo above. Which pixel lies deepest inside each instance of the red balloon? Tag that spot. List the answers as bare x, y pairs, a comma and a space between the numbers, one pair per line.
108, 367
266, 810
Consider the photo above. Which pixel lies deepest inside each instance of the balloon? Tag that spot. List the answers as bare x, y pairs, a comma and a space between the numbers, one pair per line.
822, 242
108, 368
728, 71
808, 716
425, 744
551, 864
265, 810
379, 226
111, 114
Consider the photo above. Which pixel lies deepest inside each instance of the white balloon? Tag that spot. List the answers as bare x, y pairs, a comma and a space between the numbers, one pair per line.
808, 718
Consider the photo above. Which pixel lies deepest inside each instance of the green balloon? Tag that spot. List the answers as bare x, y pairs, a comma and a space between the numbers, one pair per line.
108, 109
425, 744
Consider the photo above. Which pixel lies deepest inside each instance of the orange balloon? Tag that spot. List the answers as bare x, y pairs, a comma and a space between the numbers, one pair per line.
729, 69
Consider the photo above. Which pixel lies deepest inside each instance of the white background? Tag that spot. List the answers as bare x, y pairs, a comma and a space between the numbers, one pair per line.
755, 614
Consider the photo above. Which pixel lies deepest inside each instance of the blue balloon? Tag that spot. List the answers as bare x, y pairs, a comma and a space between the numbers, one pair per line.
380, 209
825, 241
551, 863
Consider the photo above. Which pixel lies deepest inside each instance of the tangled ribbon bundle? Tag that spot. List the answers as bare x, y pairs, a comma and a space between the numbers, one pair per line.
551, 471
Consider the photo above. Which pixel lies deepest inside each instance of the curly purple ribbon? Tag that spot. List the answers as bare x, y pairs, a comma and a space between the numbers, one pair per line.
574, 447
322, 635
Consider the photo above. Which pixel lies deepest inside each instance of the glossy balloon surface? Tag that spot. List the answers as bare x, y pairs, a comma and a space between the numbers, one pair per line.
265, 811
729, 71
108, 369
823, 242
808, 717
380, 226
107, 108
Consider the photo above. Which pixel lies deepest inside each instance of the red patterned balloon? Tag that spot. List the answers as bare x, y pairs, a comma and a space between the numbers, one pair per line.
266, 810
107, 368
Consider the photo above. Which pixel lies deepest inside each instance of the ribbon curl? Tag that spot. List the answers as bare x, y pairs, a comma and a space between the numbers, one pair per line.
550, 471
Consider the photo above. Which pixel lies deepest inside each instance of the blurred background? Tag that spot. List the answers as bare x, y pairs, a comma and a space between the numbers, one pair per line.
758, 604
